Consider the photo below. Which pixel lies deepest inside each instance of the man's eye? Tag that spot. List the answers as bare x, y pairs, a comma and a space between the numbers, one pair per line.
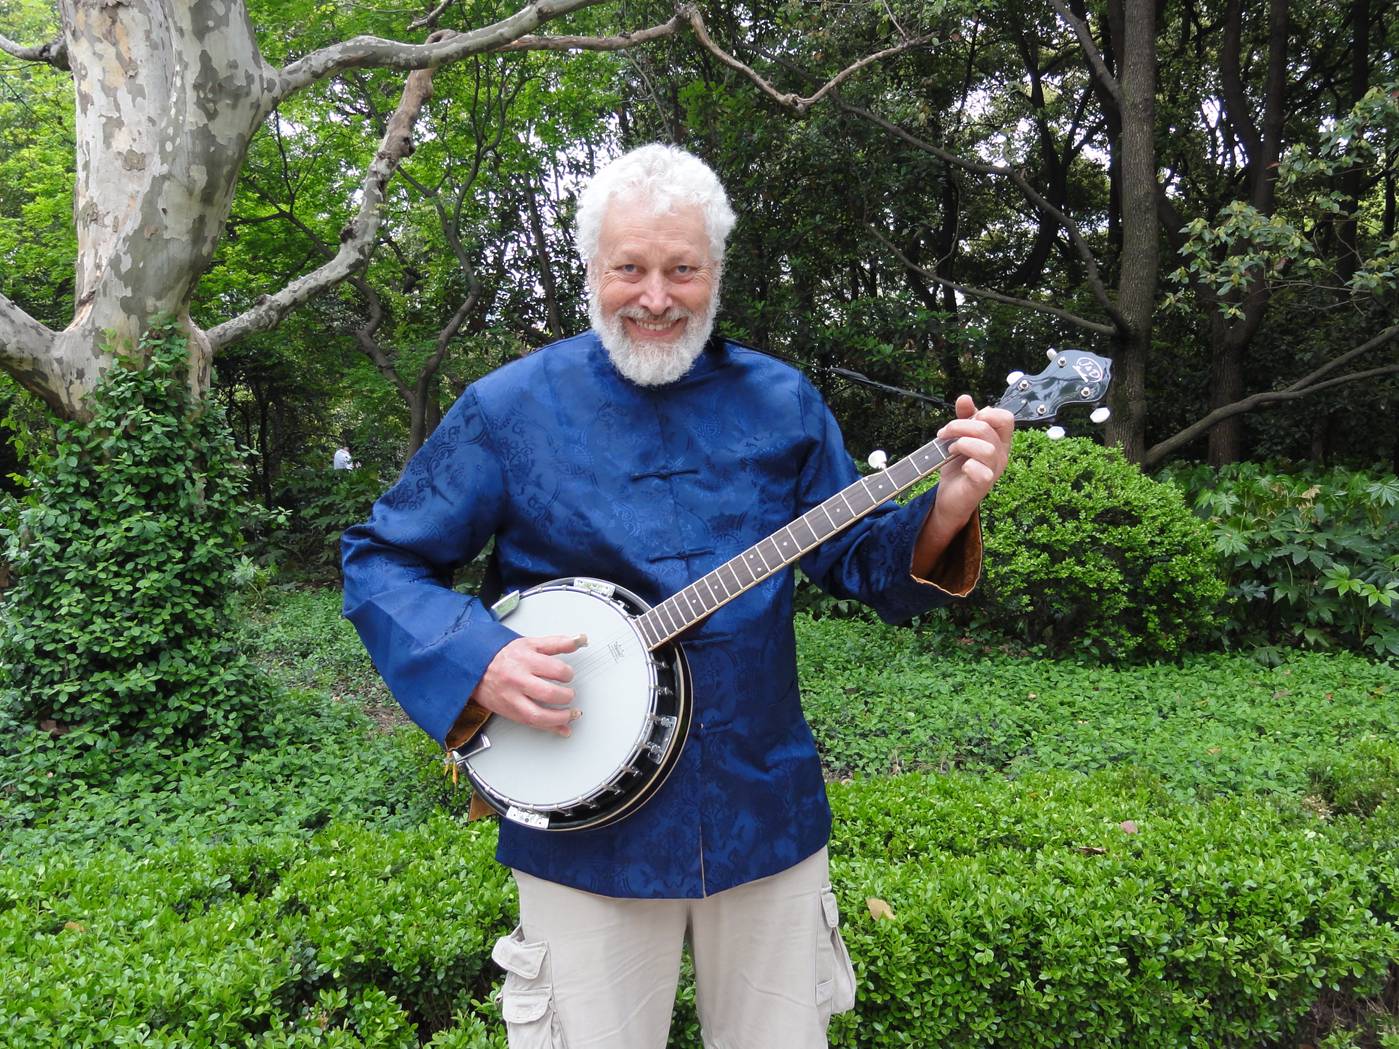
629, 267
684, 271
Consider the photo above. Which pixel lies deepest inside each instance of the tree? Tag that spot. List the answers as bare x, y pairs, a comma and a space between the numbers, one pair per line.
169, 94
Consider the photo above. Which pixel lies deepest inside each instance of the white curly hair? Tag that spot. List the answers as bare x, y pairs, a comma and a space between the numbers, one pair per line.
661, 178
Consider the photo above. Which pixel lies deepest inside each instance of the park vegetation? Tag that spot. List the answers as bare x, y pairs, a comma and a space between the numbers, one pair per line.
1141, 790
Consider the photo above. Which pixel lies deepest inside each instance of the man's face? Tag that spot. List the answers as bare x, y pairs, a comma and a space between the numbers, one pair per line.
653, 290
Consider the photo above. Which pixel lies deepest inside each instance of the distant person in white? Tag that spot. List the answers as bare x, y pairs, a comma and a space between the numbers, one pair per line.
342, 459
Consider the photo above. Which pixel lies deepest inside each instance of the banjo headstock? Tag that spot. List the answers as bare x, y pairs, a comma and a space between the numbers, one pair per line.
1073, 377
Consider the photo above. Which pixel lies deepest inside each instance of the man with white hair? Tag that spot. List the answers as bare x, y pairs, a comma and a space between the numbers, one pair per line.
646, 452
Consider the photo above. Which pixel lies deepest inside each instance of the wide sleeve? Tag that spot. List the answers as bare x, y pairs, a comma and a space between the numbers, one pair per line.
874, 560
430, 643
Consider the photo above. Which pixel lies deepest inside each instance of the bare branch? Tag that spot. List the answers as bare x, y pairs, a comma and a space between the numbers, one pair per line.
594, 43
357, 238
1076, 238
442, 47
1372, 344
800, 105
1090, 48
789, 100
429, 20
1303, 387
54, 53
996, 296
26, 350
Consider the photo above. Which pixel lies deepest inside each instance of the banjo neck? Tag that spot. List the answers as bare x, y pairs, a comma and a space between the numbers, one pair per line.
682, 610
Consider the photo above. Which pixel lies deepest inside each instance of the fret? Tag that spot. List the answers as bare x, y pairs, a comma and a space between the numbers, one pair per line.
907, 473
737, 589
758, 553
773, 550
791, 549
740, 562
696, 600
665, 615
712, 596
843, 498
805, 544
648, 629
687, 610
882, 487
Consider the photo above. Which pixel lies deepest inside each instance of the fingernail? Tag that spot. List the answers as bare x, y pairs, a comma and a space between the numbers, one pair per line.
574, 714
565, 732
581, 640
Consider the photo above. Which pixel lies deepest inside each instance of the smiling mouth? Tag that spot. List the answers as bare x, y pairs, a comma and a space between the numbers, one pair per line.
655, 327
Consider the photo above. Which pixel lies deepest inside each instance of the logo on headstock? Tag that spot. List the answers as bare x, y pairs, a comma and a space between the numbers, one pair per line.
1088, 369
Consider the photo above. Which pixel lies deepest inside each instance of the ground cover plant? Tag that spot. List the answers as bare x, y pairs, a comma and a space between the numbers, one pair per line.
1016, 899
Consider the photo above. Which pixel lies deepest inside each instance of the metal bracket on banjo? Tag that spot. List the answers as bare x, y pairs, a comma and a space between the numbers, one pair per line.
506, 604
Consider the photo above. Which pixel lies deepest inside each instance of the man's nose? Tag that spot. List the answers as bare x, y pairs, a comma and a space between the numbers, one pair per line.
655, 294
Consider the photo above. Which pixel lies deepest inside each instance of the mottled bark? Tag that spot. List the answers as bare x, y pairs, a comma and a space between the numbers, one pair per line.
168, 95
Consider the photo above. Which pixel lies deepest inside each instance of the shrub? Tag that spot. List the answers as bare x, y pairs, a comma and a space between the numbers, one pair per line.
1084, 554
116, 629
1309, 555
319, 504
1063, 911
1030, 914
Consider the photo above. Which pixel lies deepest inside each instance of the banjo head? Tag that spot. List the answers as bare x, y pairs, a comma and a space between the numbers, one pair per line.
614, 683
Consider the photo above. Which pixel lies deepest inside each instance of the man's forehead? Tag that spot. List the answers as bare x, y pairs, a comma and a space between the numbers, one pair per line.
632, 222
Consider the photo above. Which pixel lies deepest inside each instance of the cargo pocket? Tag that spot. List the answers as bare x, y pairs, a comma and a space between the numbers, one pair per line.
527, 998
835, 976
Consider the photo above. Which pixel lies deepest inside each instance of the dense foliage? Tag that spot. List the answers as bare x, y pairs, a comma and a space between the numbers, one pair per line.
320, 892
1310, 555
1085, 554
115, 634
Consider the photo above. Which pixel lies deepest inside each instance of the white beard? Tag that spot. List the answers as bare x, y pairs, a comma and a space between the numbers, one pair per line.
645, 363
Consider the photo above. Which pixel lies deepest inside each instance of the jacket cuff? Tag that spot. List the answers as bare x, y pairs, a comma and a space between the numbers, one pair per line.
467, 724
957, 571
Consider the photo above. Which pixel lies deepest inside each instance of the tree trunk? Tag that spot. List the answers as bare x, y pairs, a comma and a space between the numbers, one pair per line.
1136, 298
168, 94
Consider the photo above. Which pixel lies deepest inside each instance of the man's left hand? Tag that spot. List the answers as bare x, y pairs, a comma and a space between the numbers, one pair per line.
980, 446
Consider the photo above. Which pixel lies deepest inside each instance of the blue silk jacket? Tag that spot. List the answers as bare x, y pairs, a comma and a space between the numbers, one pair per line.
576, 471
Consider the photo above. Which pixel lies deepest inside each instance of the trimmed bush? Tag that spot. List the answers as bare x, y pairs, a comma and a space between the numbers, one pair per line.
1053, 911
116, 633
1065, 911
1085, 554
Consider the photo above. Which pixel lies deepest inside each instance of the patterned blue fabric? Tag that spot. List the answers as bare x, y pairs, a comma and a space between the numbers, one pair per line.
576, 471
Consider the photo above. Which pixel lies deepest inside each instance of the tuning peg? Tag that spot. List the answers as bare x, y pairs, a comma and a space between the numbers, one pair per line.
1051, 354
878, 459
1014, 377
1100, 415
1054, 433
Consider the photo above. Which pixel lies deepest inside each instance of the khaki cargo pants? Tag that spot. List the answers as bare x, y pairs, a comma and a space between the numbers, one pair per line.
594, 972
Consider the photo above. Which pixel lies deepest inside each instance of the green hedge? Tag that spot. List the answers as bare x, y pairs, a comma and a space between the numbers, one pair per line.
1026, 913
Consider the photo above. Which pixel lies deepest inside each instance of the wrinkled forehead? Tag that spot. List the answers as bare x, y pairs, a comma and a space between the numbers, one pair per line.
637, 221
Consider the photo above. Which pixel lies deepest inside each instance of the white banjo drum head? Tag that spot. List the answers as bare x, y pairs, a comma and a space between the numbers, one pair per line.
612, 683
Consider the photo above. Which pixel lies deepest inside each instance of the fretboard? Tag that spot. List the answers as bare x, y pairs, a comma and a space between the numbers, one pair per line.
682, 610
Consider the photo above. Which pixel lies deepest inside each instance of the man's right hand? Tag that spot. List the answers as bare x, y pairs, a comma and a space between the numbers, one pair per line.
524, 676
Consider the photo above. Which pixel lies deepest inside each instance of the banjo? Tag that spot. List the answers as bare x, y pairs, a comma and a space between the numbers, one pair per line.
632, 677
